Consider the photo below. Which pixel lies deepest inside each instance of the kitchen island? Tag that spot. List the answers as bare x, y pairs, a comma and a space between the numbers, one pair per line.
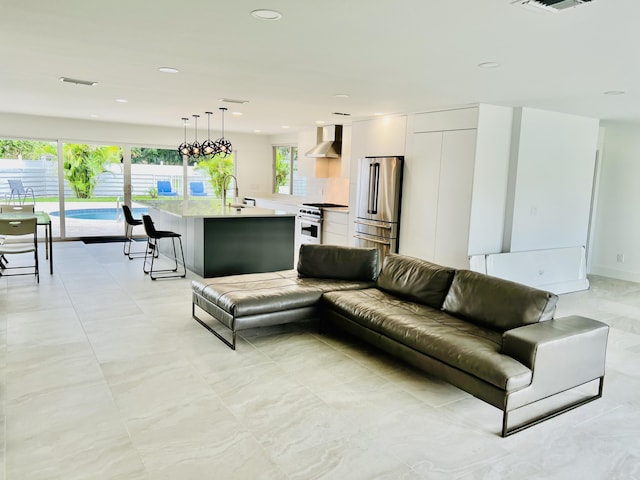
225, 241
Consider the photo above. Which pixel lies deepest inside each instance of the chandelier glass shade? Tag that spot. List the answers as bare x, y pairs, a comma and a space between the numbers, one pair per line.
207, 149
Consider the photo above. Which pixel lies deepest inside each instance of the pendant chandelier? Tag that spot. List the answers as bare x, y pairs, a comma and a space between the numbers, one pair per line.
208, 149
208, 146
196, 149
223, 146
184, 148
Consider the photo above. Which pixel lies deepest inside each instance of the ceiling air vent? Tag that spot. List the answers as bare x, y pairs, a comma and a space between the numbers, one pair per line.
551, 5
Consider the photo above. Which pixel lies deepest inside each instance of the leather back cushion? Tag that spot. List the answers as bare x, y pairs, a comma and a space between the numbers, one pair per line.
332, 261
496, 303
415, 279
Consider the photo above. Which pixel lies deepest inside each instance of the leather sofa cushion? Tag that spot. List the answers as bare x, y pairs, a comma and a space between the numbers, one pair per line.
496, 303
415, 279
260, 293
333, 261
468, 347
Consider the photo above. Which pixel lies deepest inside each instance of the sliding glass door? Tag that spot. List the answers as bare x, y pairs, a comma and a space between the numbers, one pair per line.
93, 177
29, 174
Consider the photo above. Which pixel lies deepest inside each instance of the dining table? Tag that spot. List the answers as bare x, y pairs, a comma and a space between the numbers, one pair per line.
43, 219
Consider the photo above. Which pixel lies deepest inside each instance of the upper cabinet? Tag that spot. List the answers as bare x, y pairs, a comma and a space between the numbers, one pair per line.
379, 137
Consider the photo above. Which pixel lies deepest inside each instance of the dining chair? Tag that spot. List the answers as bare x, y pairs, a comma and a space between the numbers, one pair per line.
153, 249
22, 230
9, 208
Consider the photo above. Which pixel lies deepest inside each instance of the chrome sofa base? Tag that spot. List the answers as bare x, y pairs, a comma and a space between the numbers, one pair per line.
231, 344
506, 431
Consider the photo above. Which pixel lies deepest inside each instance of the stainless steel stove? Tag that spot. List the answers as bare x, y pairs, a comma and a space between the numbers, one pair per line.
310, 221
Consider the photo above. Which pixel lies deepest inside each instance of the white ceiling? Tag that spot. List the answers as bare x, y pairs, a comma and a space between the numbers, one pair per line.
388, 55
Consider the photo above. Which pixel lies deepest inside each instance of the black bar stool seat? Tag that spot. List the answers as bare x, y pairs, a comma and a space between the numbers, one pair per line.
154, 236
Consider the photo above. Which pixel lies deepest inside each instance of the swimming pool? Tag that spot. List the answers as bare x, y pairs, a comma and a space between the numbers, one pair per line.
99, 213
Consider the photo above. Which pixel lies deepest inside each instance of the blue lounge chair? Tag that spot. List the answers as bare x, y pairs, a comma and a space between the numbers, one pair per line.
197, 189
164, 189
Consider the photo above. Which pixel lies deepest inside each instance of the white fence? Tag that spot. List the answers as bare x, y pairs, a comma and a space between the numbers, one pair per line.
42, 177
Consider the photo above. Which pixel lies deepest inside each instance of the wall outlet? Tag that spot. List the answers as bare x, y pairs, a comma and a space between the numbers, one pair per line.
620, 258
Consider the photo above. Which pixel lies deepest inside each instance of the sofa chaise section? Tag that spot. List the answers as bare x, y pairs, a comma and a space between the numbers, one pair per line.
247, 301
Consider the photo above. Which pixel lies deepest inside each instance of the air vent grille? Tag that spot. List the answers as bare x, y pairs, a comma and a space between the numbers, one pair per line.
551, 5
232, 100
76, 81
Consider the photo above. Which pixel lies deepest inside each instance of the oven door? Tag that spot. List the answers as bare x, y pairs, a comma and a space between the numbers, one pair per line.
310, 230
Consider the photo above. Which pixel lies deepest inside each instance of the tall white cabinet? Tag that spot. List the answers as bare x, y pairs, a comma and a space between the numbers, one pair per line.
442, 183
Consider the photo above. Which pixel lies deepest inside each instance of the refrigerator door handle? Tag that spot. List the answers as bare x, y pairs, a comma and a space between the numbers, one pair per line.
372, 240
371, 224
376, 185
371, 188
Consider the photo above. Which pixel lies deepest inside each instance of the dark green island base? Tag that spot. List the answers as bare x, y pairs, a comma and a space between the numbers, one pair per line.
228, 241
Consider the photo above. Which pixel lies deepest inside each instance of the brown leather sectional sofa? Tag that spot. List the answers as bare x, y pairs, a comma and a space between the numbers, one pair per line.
495, 339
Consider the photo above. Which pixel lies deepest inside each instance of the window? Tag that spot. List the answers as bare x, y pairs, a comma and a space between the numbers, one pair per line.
286, 177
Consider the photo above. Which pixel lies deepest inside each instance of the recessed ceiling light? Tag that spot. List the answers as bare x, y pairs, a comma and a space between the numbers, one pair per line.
378, 114
257, 131
614, 92
285, 126
237, 114
265, 14
489, 65
168, 70
320, 122
341, 95
93, 115
122, 100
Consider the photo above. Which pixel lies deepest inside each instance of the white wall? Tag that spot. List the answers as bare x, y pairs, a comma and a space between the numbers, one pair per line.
253, 151
553, 183
490, 176
617, 219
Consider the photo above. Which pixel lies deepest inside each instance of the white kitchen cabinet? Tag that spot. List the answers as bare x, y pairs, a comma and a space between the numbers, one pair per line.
454, 191
454, 198
379, 137
335, 228
421, 181
436, 202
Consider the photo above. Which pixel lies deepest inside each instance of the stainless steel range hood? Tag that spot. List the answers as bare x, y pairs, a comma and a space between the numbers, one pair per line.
329, 143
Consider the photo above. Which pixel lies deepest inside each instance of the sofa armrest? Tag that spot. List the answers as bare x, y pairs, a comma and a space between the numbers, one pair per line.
561, 353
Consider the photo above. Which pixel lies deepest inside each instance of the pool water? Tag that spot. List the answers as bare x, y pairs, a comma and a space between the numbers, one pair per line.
100, 213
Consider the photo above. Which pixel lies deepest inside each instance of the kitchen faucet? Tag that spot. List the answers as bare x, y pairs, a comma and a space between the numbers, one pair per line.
225, 187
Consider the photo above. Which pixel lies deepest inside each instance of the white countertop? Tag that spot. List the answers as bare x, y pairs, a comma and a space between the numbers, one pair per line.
211, 209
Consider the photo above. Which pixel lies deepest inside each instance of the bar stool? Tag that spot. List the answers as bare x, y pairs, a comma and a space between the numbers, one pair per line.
128, 233
152, 248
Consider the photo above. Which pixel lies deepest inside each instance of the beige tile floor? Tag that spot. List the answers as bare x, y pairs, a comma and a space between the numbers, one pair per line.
104, 375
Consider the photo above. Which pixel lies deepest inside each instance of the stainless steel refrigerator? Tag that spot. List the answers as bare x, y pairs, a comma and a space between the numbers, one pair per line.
377, 221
